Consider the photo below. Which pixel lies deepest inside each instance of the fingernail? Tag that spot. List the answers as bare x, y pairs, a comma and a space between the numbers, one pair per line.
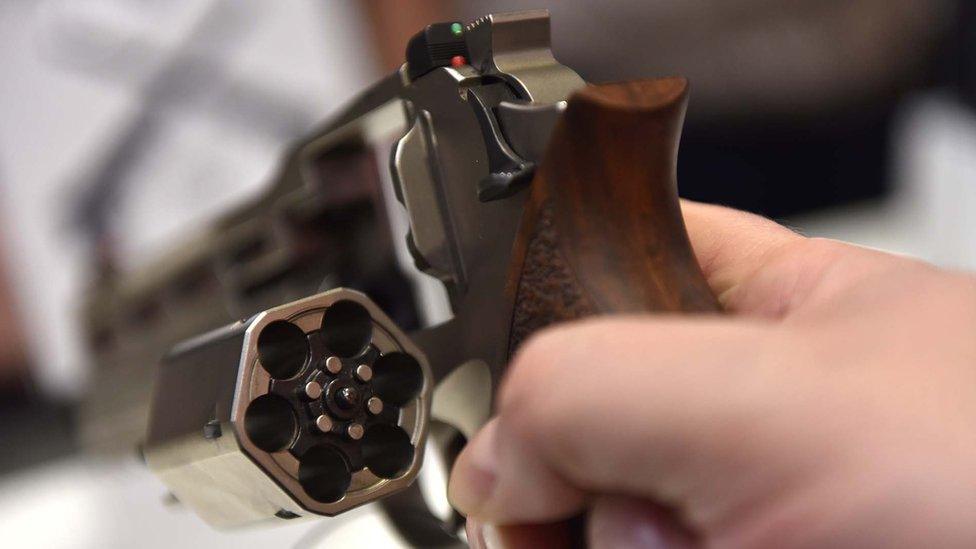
622, 524
473, 478
483, 536
491, 537
473, 529
634, 535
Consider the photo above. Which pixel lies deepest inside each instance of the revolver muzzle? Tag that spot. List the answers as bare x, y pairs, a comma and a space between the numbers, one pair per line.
313, 407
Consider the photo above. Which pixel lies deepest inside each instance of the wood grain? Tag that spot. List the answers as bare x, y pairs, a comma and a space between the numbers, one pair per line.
602, 232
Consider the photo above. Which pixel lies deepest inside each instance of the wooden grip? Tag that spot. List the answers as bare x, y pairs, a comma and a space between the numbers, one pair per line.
602, 230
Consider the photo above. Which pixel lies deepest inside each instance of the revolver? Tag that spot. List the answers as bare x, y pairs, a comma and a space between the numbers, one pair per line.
282, 363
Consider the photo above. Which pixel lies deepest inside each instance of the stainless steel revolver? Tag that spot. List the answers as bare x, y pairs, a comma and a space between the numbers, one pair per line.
277, 366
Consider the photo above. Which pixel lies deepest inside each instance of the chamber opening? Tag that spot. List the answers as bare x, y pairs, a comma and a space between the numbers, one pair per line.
324, 474
347, 328
282, 349
270, 422
387, 451
397, 378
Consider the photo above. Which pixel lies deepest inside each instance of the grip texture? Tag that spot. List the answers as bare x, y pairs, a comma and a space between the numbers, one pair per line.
602, 232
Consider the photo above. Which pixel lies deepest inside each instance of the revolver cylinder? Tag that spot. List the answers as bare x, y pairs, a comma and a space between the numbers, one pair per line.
313, 407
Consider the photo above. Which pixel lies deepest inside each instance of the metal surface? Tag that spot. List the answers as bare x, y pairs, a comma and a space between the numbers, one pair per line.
462, 126
324, 423
333, 364
443, 157
374, 405
516, 47
527, 126
313, 390
322, 220
364, 372
464, 240
414, 167
355, 431
231, 480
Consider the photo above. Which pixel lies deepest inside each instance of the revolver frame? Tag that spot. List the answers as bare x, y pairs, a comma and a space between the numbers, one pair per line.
475, 130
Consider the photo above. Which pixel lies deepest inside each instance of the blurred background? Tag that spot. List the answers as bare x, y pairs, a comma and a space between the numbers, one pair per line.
135, 121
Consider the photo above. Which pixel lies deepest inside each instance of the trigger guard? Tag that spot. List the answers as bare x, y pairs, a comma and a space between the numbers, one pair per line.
410, 513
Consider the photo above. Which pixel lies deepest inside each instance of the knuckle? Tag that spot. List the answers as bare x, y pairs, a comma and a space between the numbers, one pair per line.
532, 364
533, 415
539, 392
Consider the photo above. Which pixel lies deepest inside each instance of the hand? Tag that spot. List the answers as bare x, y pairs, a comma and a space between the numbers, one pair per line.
834, 406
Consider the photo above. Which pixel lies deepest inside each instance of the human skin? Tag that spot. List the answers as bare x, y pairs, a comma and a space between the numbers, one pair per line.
834, 405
